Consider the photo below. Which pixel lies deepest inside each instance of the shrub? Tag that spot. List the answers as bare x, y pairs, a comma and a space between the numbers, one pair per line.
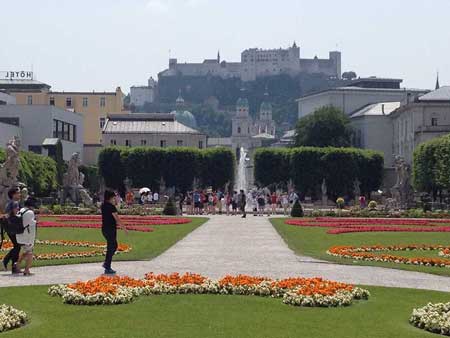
340, 203
170, 208
297, 209
372, 205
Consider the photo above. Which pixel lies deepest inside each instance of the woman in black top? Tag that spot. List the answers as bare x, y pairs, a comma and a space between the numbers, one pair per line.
110, 221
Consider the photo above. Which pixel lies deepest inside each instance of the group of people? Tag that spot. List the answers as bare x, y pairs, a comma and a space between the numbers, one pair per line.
19, 224
147, 197
201, 202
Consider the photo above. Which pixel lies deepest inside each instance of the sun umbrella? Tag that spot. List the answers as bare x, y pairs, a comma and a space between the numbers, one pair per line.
144, 190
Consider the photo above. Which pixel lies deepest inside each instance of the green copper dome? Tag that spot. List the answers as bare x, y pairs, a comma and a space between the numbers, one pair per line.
242, 102
185, 117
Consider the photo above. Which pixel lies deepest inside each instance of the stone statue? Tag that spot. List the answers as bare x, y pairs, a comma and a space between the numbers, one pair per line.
324, 192
356, 190
402, 192
73, 183
9, 170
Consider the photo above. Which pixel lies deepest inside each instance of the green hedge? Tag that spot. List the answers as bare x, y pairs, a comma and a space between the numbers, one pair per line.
431, 165
308, 166
145, 166
37, 172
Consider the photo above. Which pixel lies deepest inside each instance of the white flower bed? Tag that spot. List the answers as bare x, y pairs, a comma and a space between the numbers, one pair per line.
432, 317
11, 318
341, 298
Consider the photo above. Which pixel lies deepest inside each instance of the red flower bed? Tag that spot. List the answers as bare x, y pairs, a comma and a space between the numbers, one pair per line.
146, 220
349, 225
46, 224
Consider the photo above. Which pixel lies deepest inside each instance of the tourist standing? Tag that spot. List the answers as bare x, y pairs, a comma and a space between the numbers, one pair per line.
155, 197
285, 203
219, 196
362, 201
243, 203
274, 200
110, 221
28, 237
189, 208
261, 204
234, 203
228, 203
150, 197
11, 209
196, 198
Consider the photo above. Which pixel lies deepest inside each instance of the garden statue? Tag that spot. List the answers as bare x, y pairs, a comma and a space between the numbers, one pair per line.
73, 183
324, 193
9, 170
357, 190
162, 186
402, 192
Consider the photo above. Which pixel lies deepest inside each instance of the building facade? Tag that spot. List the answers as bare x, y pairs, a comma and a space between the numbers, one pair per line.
350, 99
140, 95
37, 124
259, 63
150, 130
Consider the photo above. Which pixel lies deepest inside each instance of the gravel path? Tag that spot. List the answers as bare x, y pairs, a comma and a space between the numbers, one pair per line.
232, 245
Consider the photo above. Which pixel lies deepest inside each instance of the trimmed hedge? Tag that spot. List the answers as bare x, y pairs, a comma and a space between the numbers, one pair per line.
308, 166
431, 165
145, 166
38, 172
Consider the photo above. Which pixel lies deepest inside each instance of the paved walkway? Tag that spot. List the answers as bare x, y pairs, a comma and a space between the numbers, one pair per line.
232, 245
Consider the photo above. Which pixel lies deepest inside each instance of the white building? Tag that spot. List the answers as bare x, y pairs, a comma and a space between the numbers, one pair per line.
38, 125
350, 99
5, 98
259, 63
140, 95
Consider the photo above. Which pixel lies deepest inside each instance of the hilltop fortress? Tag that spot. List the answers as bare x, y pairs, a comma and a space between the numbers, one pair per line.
259, 63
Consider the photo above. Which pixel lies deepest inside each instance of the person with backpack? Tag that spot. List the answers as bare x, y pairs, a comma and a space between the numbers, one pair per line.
11, 223
110, 221
243, 203
27, 238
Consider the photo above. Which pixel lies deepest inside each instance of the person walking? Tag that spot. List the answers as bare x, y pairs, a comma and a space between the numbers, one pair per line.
28, 237
243, 203
11, 209
110, 221
234, 203
274, 201
285, 203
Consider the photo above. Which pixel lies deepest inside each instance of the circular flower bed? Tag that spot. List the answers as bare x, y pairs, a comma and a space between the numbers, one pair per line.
98, 249
349, 225
369, 253
294, 291
432, 317
11, 318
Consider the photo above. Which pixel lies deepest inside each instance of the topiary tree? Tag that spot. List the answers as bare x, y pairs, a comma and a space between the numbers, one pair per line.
170, 208
297, 209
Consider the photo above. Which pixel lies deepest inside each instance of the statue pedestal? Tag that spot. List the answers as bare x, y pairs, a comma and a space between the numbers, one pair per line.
325, 201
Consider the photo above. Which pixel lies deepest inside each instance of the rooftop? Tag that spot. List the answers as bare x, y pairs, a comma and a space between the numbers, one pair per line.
376, 109
145, 124
441, 94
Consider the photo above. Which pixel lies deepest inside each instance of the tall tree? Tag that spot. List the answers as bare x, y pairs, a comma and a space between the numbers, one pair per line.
326, 127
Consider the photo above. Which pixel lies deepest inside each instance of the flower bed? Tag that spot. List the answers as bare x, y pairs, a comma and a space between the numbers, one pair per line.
146, 220
350, 225
99, 249
46, 224
445, 253
294, 291
366, 253
432, 317
11, 318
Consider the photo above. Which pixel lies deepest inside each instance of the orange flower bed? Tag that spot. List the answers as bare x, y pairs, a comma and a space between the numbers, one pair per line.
241, 280
312, 286
370, 253
175, 279
106, 284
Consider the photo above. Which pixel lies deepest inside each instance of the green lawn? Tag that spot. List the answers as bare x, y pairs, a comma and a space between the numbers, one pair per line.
314, 242
384, 315
145, 245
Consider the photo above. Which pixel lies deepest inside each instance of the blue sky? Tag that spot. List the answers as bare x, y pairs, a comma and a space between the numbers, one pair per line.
101, 44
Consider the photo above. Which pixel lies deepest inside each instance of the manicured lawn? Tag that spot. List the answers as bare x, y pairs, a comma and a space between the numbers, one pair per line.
384, 315
314, 242
144, 245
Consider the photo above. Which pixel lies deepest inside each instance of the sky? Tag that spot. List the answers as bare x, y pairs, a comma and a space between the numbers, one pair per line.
101, 44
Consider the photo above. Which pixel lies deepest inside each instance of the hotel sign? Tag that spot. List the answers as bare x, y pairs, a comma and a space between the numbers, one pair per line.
16, 75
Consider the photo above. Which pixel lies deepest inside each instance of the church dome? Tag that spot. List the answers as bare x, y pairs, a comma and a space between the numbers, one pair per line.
266, 106
185, 117
242, 102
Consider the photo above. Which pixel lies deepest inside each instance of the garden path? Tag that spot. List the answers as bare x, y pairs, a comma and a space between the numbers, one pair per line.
232, 245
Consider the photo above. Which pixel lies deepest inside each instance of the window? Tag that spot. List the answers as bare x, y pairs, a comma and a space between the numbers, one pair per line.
85, 101
102, 122
434, 121
239, 130
52, 101
68, 102
128, 143
113, 142
200, 144
102, 102
29, 99
179, 143
64, 131
163, 143
143, 142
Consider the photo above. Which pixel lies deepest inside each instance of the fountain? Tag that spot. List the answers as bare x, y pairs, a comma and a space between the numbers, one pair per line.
241, 181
